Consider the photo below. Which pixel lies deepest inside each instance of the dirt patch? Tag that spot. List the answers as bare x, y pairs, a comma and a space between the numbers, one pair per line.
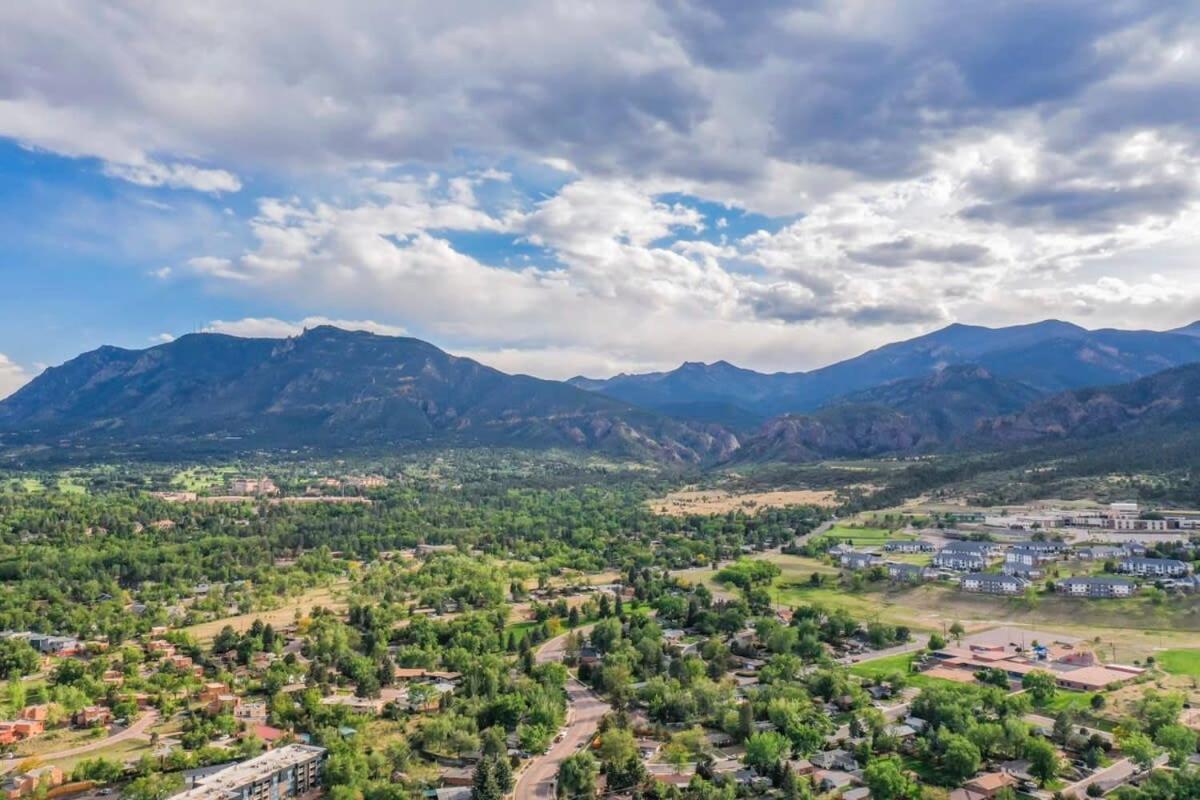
716, 501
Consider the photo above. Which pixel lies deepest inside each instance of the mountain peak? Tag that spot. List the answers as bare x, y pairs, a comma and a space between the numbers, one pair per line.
327, 388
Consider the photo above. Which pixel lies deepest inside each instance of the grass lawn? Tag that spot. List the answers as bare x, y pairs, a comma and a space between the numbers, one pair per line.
123, 752
521, 629
879, 667
1180, 662
1077, 702
864, 537
902, 663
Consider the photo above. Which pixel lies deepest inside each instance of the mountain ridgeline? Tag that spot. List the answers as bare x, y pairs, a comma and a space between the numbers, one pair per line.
329, 389
963, 387
1048, 357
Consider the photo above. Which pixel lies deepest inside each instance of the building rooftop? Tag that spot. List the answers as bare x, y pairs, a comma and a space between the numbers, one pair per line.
220, 785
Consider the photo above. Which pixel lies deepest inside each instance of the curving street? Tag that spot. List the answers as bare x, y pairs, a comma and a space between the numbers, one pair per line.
584, 711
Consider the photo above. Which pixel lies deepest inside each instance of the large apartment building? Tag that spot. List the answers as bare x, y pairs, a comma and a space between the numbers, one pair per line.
1096, 587
288, 772
989, 583
1154, 567
965, 556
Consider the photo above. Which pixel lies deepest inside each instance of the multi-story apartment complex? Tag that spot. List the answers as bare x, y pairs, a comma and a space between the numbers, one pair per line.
1154, 567
1096, 587
288, 772
963, 556
989, 583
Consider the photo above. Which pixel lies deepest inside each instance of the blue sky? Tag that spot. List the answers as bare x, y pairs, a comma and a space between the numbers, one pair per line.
656, 182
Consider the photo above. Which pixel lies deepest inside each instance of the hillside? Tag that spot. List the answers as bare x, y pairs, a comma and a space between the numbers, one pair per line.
326, 388
915, 415
1169, 399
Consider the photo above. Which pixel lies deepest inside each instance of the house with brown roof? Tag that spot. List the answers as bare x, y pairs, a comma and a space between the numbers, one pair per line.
984, 787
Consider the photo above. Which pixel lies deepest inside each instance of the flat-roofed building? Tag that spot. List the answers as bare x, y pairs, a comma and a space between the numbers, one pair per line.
290, 771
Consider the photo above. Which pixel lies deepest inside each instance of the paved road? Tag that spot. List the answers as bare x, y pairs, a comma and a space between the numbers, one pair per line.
894, 713
584, 710
134, 731
1109, 777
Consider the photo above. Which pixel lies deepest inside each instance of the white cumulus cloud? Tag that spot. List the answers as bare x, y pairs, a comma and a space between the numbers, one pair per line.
12, 376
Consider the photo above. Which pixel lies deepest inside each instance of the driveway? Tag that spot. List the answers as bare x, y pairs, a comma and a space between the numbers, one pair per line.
134, 731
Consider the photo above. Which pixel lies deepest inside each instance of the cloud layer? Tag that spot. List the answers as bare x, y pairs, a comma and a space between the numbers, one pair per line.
557, 187
12, 376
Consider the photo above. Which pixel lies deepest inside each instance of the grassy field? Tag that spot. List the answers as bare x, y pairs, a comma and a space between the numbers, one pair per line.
323, 596
522, 629
200, 479
1076, 702
124, 752
1123, 630
865, 537
718, 501
1180, 662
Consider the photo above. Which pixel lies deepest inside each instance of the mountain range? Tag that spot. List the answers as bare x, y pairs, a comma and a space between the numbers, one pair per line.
327, 388
1047, 356
960, 387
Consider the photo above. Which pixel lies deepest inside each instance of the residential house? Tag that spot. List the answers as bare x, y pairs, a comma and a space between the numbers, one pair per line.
92, 716
36, 713
223, 704
29, 783
988, 785
835, 760
831, 780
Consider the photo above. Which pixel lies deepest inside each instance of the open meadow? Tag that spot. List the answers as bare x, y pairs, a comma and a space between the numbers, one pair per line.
718, 501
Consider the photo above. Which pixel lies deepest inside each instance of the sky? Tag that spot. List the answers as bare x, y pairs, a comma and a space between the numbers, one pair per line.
576, 187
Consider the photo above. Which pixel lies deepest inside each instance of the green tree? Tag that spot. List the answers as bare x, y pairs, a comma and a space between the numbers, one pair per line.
577, 776
1139, 748
960, 757
887, 780
766, 749
1040, 685
1178, 740
153, 787
1044, 763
